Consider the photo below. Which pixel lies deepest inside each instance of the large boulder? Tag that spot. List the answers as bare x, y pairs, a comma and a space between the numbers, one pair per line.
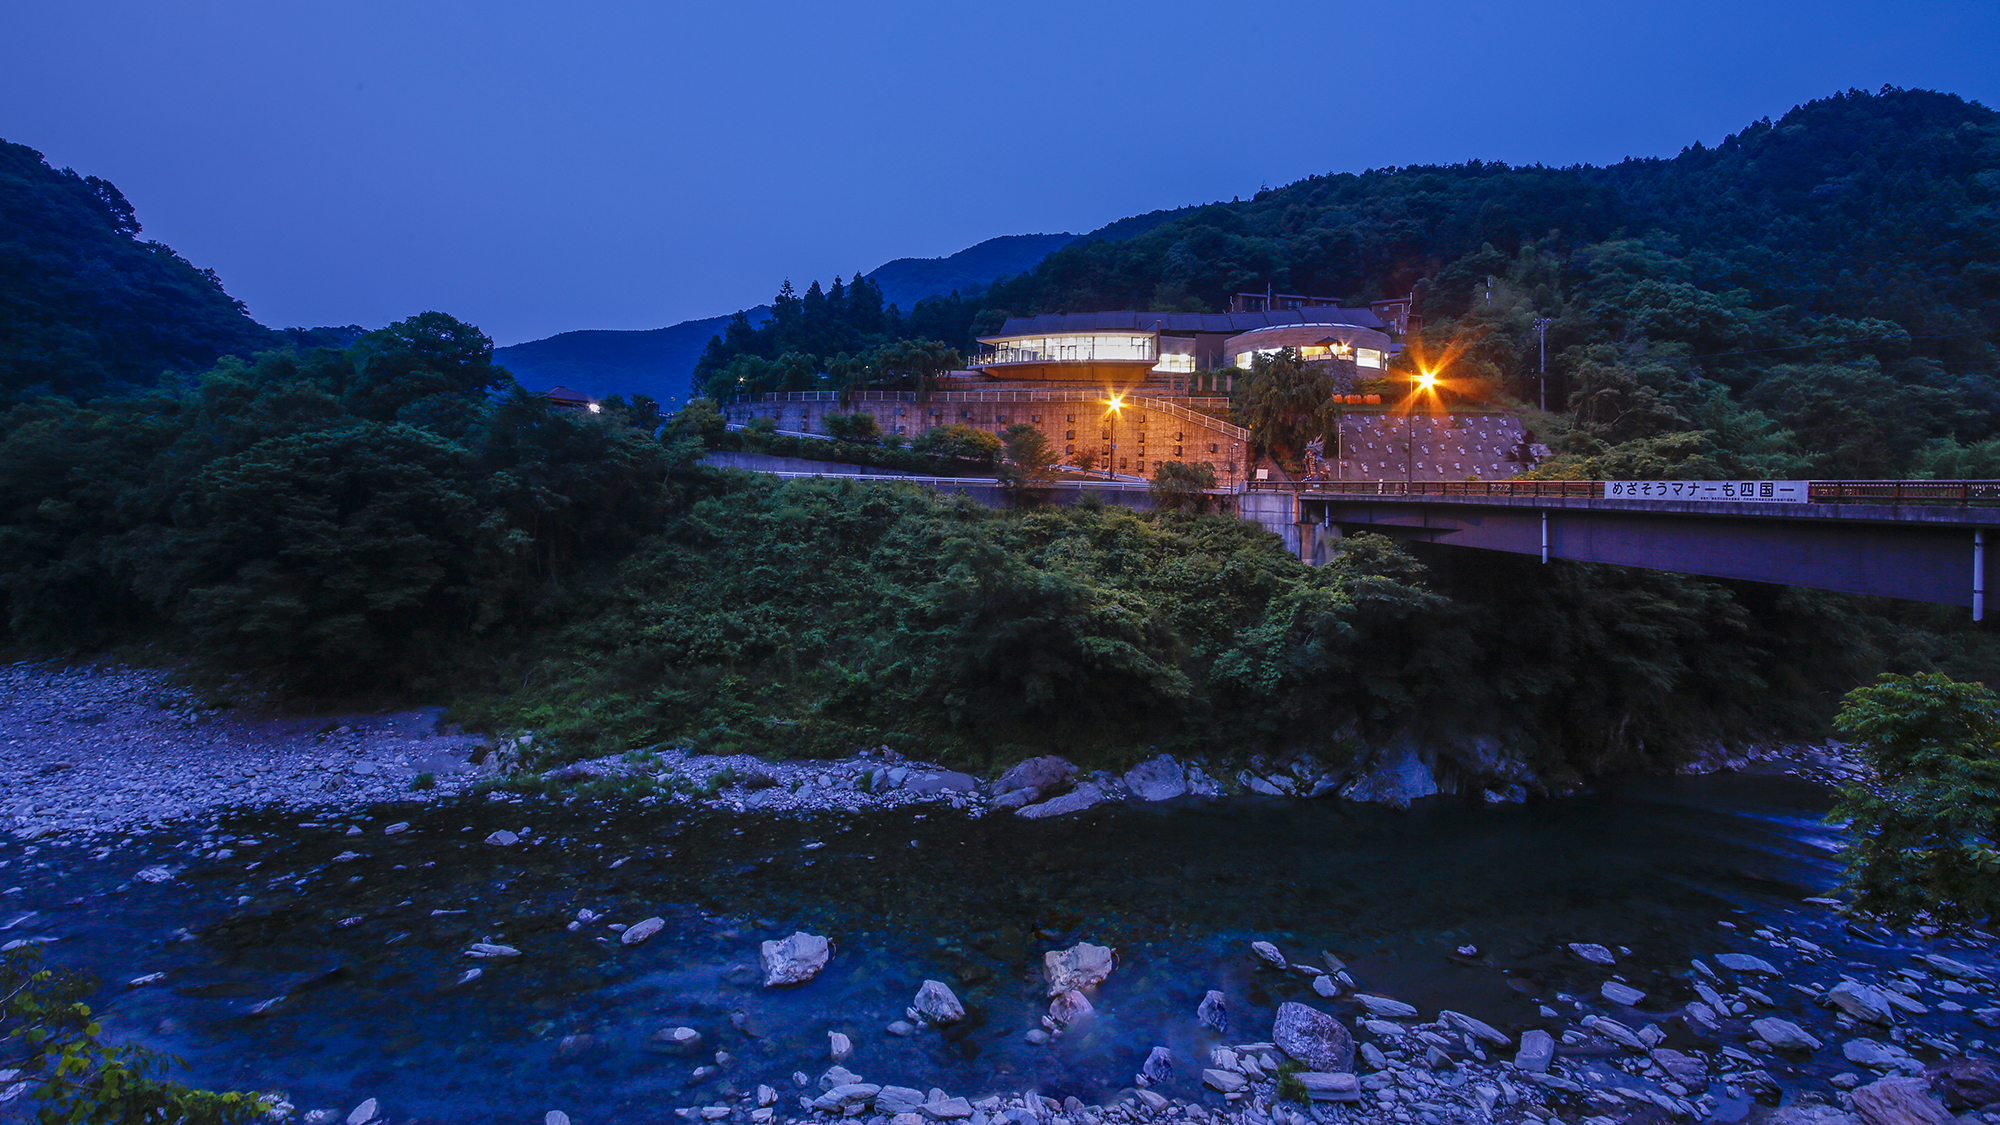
1037, 777
940, 782
1860, 1001
795, 960
1074, 801
1069, 1007
1966, 1083
1538, 1050
1157, 779
1395, 780
1898, 1101
1082, 965
1213, 1011
1313, 1038
937, 1003
1785, 1035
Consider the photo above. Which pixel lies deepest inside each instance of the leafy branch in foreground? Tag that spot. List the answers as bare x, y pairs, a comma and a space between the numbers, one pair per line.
1926, 824
49, 1035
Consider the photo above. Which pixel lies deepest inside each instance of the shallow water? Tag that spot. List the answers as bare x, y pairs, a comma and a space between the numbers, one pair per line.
365, 966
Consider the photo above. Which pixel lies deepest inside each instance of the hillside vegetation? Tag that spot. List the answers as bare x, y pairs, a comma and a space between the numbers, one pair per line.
342, 511
1811, 297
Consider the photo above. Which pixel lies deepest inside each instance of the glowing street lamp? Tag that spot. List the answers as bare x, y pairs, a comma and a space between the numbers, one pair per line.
1422, 381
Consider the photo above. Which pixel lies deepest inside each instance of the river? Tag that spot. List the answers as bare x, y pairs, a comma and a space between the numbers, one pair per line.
360, 937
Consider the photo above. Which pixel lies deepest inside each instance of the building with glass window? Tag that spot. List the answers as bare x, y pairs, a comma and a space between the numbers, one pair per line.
1174, 352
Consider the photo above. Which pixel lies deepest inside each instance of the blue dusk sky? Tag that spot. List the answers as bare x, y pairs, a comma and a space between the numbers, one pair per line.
535, 168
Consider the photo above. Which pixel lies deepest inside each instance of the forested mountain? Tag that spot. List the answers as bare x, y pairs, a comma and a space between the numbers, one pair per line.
906, 281
85, 303
654, 363
1815, 296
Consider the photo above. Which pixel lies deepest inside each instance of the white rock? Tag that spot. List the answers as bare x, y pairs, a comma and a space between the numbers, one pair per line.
1538, 1049
1081, 966
1745, 963
1784, 1035
365, 1112
1324, 986
1899, 1101
1070, 1007
839, 1047
946, 1109
1860, 1001
1313, 1038
1157, 779
1476, 1028
1616, 1032
1076, 800
1268, 953
937, 1003
503, 839
795, 960
397, 829
641, 930
1958, 970
488, 949
555, 1117
1592, 952
1227, 1081
898, 1099
1329, 1086
1381, 1007
1619, 993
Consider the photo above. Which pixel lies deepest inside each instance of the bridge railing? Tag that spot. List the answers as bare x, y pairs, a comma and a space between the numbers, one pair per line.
1962, 493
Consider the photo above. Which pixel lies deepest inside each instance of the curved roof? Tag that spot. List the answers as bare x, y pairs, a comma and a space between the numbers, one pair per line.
1224, 323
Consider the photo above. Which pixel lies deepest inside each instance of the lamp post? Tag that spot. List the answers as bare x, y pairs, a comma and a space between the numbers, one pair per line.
1425, 380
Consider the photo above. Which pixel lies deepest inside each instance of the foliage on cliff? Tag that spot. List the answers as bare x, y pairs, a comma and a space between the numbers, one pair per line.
1926, 824
84, 303
812, 617
328, 517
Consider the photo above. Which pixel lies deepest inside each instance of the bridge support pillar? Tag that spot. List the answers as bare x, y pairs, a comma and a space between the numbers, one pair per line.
1979, 575
1545, 538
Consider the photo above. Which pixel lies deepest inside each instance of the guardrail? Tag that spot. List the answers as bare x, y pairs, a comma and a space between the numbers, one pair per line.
1962, 493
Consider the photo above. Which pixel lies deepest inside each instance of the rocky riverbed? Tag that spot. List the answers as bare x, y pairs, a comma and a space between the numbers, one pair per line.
263, 882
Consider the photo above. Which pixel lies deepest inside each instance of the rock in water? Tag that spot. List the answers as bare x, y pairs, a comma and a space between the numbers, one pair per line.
1784, 1035
937, 1003
1745, 963
1227, 1081
1080, 966
1268, 954
1537, 1051
1958, 970
1591, 952
1157, 779
1898, 1101
1313, 1038
1076, 800
1035, 777
1860, 1001
1070, 1007
642, 930
839, 1046
795, 960
1476, 1028
1619, 993
1966, 1083
1325, 1087
1381, 1007
1158, 1067
1214, 1012
364, 1113
503, 839
489, 949
1324, 985
898, 1099
555, 1117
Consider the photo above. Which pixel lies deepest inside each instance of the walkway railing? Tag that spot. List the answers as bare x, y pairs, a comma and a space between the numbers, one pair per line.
1949, 492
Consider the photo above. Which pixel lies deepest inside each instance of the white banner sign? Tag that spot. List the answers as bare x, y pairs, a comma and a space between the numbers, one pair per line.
1724, 491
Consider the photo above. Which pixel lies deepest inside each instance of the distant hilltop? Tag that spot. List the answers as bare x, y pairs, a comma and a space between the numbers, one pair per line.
658, 361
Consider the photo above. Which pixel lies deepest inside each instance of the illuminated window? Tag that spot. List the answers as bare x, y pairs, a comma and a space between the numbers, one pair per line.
1368, 357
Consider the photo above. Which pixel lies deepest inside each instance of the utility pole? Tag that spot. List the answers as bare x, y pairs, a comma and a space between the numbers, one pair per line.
1542, 329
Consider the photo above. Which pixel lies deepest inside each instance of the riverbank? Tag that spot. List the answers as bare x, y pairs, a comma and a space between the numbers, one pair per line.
494, 957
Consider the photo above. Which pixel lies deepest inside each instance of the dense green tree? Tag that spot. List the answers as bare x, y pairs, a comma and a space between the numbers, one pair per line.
1028, 462
1179, 486
1926, 825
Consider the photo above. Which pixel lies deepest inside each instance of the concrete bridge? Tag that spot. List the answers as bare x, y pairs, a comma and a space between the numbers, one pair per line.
1920, 540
